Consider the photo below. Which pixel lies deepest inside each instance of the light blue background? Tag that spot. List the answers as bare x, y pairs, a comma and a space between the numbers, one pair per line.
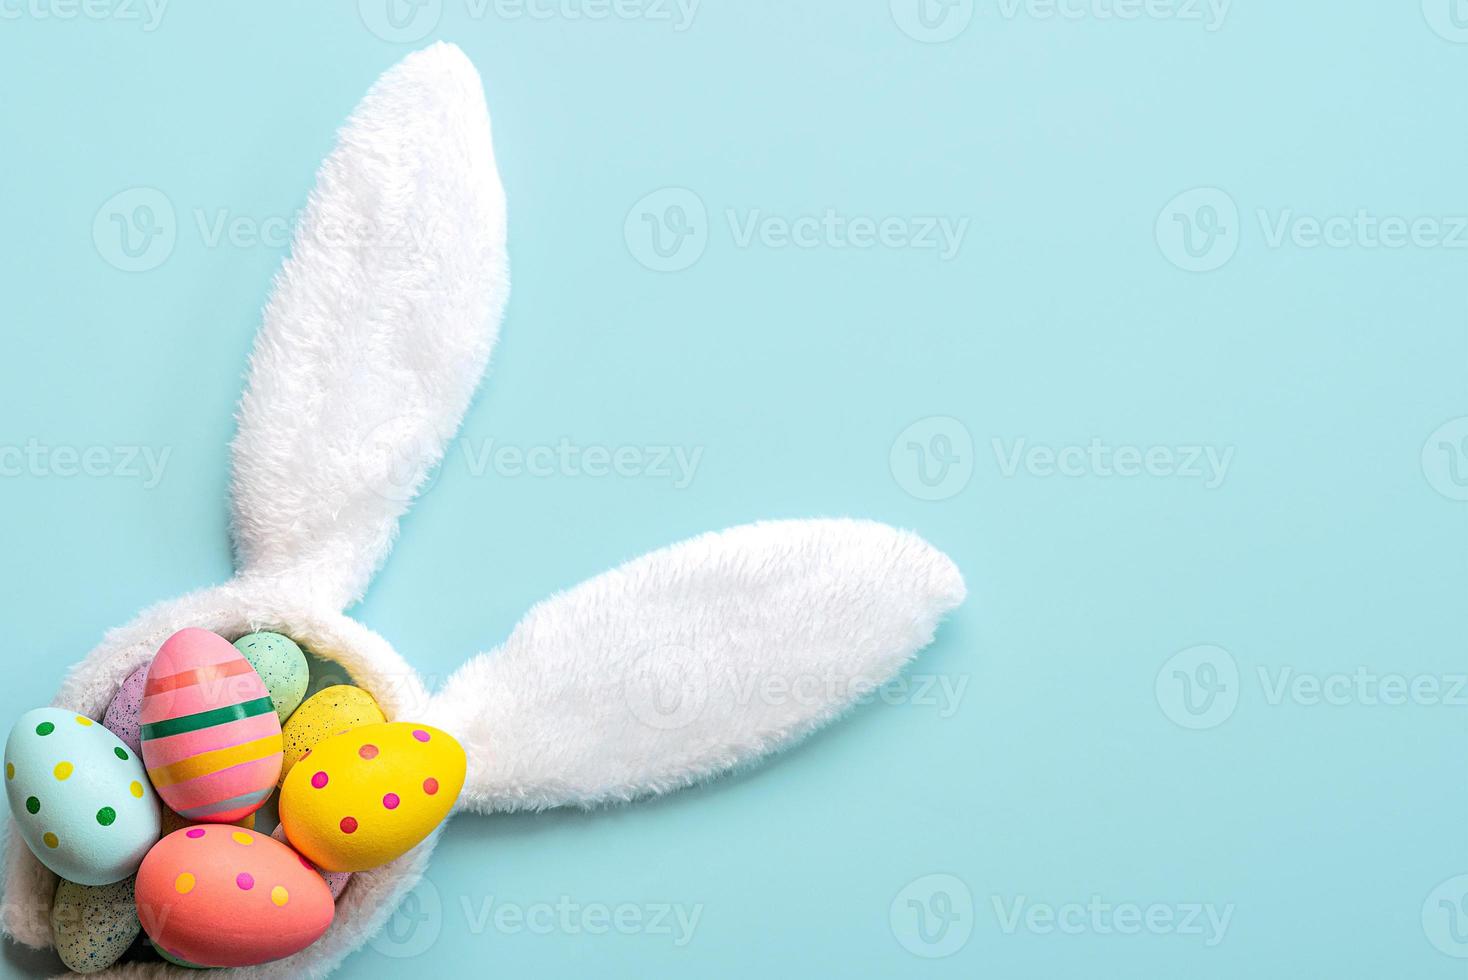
1331, 544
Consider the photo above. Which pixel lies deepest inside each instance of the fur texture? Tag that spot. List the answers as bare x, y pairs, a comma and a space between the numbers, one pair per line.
377, 333
675, 667
692, 660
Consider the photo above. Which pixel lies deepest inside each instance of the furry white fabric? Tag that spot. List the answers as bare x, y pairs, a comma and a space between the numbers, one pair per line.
692, 660
675, 667
377, 333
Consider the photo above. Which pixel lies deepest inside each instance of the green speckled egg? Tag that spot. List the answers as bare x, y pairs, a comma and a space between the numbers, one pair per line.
281, 665
328, 712
93, 924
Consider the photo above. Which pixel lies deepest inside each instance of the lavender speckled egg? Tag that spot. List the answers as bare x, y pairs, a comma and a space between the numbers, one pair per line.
335, 880
121, 718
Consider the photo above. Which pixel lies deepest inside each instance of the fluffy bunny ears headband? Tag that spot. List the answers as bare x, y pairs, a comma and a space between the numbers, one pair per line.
634, 683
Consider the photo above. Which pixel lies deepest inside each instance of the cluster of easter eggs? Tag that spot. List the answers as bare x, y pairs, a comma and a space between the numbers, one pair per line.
148, 816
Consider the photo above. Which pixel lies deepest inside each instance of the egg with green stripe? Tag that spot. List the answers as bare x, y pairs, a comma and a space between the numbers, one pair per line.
210, 735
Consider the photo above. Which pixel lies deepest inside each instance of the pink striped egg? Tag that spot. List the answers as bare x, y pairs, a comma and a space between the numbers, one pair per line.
210, 735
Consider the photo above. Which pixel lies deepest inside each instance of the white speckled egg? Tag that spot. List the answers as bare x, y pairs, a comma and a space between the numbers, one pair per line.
79, 797
94, 924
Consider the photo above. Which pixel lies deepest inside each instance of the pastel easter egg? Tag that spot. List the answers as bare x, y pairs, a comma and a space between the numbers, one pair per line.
80, 799
366, 797
121, 718
328, 712
93, 925
220, 896
211, 738
335, 880
281, 665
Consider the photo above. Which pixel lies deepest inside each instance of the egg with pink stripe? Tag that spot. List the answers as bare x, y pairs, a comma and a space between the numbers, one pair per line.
210, 735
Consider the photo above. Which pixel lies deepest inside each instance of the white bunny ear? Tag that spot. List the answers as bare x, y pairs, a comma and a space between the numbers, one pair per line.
378, 331
692, 660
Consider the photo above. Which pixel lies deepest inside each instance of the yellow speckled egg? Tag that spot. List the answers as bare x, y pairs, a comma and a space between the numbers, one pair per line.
366, 797
328, 712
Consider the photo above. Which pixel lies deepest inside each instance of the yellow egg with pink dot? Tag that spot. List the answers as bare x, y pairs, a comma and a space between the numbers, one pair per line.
366, 797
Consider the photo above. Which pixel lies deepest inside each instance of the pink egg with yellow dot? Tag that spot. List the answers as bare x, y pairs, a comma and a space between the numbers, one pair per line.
369, 795
221, 896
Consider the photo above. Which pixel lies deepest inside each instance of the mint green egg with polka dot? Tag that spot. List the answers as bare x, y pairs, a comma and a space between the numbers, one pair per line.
281, 665
79, 797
